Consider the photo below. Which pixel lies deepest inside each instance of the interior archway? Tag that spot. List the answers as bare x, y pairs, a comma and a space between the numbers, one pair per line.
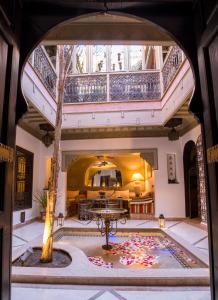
140, 202
192, 202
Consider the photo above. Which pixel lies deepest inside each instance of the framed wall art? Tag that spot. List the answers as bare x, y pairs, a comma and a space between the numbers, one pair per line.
171, 168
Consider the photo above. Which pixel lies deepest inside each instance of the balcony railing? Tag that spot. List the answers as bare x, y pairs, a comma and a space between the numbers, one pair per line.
125, 86
171, 66
44, 69
87, 88
112, 87
135, 86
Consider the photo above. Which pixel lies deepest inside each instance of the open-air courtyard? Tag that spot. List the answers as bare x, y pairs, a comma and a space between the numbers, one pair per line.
80, 240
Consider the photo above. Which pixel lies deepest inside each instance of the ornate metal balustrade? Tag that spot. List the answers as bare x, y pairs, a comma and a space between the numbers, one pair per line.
88, 88
122, 87
109, 87
135, 86
44, 70
172, 64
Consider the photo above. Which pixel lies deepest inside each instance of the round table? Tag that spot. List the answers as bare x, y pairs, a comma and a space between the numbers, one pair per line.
106, 217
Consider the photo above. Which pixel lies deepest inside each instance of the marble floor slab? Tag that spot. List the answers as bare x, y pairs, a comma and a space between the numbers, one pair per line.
51, 292
190, 233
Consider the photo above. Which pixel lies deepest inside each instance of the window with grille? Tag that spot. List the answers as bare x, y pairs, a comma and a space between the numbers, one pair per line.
23, 179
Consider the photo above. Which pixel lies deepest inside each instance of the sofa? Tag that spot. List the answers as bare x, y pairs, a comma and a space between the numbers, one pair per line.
77, 199
140, 205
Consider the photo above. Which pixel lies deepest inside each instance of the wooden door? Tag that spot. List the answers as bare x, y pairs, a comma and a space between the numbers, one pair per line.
207, 42
9, 63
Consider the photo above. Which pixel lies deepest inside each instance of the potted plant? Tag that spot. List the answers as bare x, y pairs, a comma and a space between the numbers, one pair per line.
41, 198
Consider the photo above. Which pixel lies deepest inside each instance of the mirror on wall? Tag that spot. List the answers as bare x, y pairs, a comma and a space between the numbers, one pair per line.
104, 174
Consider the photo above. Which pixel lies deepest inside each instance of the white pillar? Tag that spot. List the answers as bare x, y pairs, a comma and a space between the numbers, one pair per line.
62, 189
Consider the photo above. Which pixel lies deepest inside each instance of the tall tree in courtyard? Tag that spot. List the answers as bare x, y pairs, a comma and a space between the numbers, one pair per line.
64, 59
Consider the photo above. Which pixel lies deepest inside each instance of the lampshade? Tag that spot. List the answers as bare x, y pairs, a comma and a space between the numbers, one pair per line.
137, 177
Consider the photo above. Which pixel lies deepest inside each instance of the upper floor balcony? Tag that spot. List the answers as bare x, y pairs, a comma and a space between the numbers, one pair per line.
111, 85
100, 74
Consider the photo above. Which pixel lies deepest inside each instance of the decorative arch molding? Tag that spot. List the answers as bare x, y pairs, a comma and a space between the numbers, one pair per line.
150, 155
66, 160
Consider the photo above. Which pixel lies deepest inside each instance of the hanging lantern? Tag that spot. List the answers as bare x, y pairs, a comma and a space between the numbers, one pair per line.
47, 139
161, 221
60, 220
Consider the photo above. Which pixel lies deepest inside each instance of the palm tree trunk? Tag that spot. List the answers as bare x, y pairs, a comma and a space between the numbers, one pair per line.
47, 247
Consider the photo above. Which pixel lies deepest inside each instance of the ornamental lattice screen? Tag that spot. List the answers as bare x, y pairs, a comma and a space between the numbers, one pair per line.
202, 182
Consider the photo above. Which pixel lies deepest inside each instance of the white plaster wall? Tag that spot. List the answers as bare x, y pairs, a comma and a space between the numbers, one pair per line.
169, 198
62, 189
41, 153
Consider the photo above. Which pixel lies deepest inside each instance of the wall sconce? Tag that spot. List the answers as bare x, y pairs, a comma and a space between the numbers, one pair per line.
60, 220
162, 221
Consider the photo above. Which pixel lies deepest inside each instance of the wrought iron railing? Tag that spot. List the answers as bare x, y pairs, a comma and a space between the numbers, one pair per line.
125, 86
112, 87
135, 86
44, 69
171, 66
87, 88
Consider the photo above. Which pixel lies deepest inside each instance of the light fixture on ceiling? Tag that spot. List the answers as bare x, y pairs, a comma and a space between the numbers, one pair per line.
173, 134
47, 139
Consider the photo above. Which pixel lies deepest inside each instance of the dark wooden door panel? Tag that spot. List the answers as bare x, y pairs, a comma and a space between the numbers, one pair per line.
3, 68
8, 92
213, 56
208, 69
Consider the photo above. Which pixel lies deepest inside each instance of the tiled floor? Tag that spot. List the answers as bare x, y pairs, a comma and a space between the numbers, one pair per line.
185, 232
35, 292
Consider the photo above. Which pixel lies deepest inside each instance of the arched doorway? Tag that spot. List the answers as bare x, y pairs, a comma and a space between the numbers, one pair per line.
192, 203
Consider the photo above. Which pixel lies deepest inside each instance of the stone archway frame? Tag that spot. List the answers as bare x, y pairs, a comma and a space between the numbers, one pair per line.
149, 154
